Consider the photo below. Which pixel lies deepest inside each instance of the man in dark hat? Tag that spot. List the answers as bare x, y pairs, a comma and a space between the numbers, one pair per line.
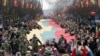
62, 44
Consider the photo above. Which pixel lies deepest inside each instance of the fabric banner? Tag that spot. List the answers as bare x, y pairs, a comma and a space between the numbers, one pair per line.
99, 3
1, 24
93, 2
4, 2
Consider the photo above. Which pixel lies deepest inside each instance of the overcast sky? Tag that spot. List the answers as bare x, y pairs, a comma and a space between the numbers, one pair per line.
50, 4
54, 5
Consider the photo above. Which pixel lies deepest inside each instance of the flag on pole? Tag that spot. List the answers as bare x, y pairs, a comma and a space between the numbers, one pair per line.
1, 23
99, 3
4, 2
96, 2
15, 2
27, 5
1, 1
82, 5
23, 3
37, 5
34, 6
93, 2
31, 5
87, 3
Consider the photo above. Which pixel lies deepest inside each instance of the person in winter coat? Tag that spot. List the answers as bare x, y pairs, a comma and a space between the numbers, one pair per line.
34, 42
23, 46
62, 44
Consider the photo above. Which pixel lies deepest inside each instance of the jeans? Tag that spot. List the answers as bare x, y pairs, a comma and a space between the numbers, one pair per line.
90, 53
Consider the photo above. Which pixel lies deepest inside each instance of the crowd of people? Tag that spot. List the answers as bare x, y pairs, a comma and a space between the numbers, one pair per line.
13, 39
87, 42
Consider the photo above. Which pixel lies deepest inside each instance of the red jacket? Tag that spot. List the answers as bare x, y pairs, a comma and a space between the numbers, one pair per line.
84, 52
74, 52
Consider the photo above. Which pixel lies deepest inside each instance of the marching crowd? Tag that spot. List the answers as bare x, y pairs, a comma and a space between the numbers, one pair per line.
13, 39
87, 42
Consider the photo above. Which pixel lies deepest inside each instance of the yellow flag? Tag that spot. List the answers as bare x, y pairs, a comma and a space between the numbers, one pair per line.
93, 2
23, 3
31, 5
99, 3
5, 3
82, 4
